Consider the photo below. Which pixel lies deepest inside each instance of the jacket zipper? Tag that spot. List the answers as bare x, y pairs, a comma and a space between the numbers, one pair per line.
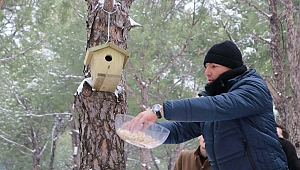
249, 154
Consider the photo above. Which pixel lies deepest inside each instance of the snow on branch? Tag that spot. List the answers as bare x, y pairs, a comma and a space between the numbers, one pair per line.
133, 23
261, 39
44, 148
80, 87
21, 101
48, 114
65, 76
15, 143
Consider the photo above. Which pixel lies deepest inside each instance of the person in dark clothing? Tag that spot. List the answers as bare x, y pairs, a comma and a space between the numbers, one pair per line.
234, 114
282, 132
288, 148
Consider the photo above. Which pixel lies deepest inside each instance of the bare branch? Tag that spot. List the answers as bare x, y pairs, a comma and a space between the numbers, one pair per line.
195, 21
21, 53
172, 87
15, 143
166, 92
21, 102
76, 11
271, 87
169, 64
257, 9
28, 154
282, 15
65, 76
261, 39
45, 146
48, 114
131, 92
134, 73
226, 30
153, 158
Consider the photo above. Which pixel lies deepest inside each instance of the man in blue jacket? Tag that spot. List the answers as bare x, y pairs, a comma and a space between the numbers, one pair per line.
234, 114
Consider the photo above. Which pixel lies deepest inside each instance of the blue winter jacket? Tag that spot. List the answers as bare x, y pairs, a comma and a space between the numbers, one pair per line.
238, 126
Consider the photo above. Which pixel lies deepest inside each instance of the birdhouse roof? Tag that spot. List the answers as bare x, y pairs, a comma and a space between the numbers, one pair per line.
90, 51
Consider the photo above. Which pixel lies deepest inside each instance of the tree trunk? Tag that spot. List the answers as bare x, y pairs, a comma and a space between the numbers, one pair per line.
297, 49
278, 77
36, 148
100, 147
294, 72
75, 142
288, 107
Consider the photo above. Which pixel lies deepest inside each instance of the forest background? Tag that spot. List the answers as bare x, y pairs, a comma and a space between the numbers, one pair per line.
43, 46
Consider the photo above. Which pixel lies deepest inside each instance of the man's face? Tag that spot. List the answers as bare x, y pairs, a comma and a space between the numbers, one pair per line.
213, 71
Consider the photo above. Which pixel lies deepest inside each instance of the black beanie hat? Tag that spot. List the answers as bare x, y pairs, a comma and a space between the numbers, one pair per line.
226, 54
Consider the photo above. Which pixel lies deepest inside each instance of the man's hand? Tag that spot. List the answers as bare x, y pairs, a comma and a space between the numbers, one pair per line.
143, 120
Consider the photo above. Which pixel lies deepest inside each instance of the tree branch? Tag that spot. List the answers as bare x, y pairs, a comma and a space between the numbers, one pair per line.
21, 101
45, 146
131, 92
22, 53
76, 11
15, 143
171, 88
271, 87
257, 9
48, 114
226, 30
261, 39
65, 76
134, 73
169, 64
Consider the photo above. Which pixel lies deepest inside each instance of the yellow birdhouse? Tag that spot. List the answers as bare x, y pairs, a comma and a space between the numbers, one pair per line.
106, 62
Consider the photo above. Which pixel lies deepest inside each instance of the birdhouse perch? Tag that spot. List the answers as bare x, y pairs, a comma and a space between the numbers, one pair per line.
106, 62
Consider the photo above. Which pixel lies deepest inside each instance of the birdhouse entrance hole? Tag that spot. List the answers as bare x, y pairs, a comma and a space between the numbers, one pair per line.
108, 58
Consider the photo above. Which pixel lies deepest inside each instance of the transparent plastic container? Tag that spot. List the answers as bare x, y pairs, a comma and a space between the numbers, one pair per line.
151, 137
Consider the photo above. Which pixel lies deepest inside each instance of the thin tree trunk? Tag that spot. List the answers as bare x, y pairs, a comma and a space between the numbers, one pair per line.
294, 72
278, 76
36, 148
145, 153
75, 142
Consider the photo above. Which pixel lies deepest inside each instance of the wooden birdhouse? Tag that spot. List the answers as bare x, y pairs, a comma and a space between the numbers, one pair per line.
106, 63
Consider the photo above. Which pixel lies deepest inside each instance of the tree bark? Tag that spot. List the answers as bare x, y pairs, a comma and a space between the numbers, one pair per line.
278, 74
100, 146
75, 142
36, 149
294, 71
285, 76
